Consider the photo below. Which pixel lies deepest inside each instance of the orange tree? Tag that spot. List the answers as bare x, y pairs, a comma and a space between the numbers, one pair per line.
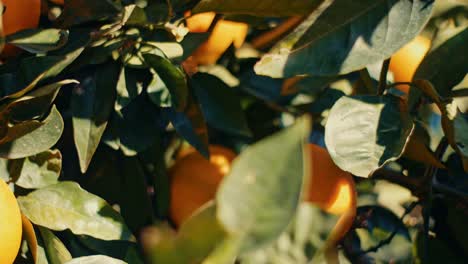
233, 131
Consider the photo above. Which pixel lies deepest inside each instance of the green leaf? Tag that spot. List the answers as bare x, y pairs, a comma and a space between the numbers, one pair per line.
220, 105
158, 92
92, 103
258, 8
37, 171
128, 88
259, 197
35, 104
33, 137
96, 259
67, 206
449, 45
345, 36
115, 249
363, 133
38, 40
82, 11
173, 77
57, 253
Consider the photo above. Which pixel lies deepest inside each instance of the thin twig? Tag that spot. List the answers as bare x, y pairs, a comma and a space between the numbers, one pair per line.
383, 77
214, 22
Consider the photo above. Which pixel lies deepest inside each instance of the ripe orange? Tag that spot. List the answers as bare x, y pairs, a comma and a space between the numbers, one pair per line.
405, 61
334, 191
19, 15
10, 225
330, 188
223, 35
194, 180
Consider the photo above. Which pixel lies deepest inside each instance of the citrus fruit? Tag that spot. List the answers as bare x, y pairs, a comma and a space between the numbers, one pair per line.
10, 225
19, 15
223, 35
194, 180
330, 188
405, 61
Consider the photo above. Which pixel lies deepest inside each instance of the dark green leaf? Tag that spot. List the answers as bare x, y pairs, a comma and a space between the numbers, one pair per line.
363, 133
258, 8
259, 197
220, 104
128, 88
67, 206
92, 103
173, 77
449, 45
345, 36
39, 40
33, 137
81, 11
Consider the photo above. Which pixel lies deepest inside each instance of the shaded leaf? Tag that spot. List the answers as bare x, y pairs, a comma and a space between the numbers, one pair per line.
39, 40
128, 88
257, 8
173, 77
417, 150
37, 171
92, 103
448, 45
81, 11
345, 36
57, 253
67, 206
220, 104
115, 249
363, 133
258, 198
33, 137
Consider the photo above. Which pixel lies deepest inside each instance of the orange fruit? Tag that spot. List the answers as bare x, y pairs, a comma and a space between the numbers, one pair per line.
223, 35
330, 188
19, 15
405, 61
195, 180
10, 225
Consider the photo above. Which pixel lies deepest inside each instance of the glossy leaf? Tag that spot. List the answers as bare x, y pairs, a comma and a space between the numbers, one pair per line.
345, 36
37, 171
220, 104
67, 206
92, 103
128, 88
258, 8
172, 76
39, 40
258, 198
363, 133
33, 137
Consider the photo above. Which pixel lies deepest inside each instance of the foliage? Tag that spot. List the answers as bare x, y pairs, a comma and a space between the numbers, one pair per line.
99, 99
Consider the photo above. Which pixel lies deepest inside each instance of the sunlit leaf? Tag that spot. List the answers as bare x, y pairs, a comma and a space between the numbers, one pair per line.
39, 40
363, 133
56, 251
345, 36
67, 206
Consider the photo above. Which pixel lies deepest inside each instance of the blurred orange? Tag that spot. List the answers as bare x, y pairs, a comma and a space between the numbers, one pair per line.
223, 35
195, 180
